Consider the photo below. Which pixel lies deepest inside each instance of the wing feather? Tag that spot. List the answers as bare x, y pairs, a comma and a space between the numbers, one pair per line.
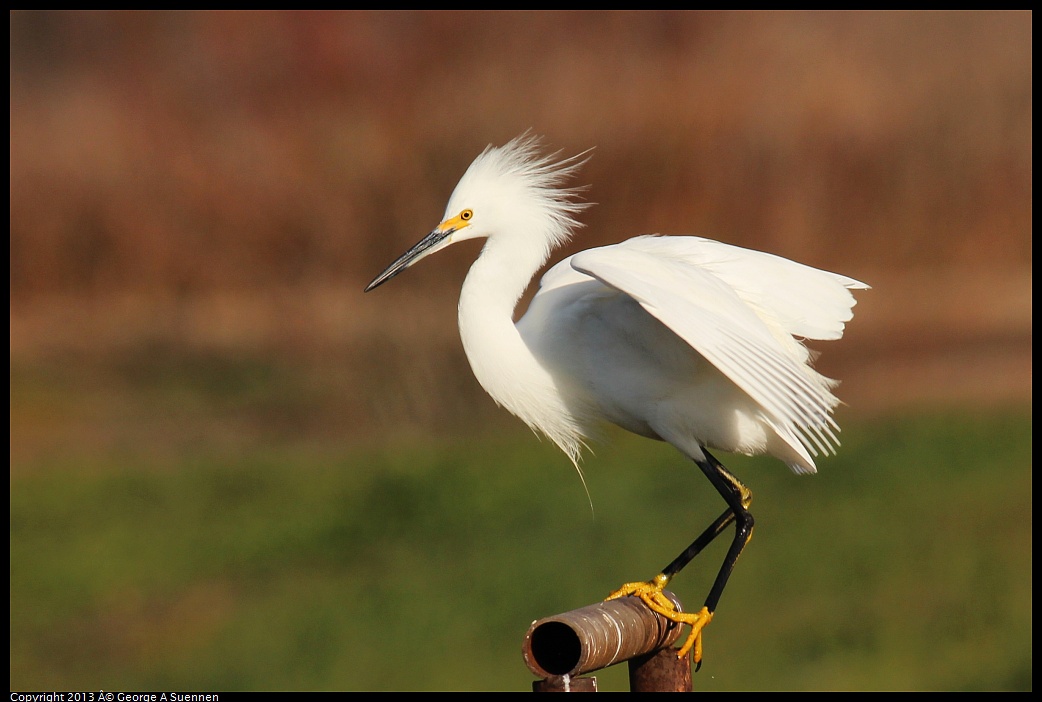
739, 309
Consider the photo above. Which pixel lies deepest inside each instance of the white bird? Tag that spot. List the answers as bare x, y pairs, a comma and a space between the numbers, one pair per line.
677, 338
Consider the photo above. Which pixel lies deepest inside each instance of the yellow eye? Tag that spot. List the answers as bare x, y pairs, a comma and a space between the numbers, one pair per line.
466, 214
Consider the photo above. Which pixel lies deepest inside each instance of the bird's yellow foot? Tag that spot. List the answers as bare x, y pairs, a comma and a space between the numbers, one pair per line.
650, 592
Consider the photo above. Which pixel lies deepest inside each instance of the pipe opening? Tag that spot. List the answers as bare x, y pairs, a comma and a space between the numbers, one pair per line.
556, 648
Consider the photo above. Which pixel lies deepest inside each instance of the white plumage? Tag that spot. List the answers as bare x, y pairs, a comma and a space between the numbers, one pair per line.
678, 338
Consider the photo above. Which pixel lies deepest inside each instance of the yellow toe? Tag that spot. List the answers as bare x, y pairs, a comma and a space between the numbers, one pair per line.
650, 592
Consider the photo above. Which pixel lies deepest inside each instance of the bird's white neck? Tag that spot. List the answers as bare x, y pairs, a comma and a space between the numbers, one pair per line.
502, 362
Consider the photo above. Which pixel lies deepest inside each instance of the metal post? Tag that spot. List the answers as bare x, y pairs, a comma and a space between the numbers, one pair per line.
565, 683
660, 671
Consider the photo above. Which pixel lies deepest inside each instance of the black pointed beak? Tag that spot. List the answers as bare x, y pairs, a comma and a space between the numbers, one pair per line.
427, 245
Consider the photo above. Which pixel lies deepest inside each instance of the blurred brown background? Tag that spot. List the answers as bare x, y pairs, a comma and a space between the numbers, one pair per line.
221, 184
230, 469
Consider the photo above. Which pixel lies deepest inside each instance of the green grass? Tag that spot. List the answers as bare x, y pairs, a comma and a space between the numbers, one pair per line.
905, 564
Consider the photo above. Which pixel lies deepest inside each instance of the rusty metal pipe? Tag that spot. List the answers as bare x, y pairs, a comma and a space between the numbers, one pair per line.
660, 671
596, 636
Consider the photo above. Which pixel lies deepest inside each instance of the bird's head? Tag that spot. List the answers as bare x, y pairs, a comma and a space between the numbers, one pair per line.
508, 191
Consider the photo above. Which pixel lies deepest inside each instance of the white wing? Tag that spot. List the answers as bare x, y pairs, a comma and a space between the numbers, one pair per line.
807, 302
739, 309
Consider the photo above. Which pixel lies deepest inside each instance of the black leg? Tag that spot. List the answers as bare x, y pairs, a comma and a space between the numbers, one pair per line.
738, 498
707, 536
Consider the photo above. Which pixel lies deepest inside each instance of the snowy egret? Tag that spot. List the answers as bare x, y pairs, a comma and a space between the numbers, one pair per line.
676, 338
